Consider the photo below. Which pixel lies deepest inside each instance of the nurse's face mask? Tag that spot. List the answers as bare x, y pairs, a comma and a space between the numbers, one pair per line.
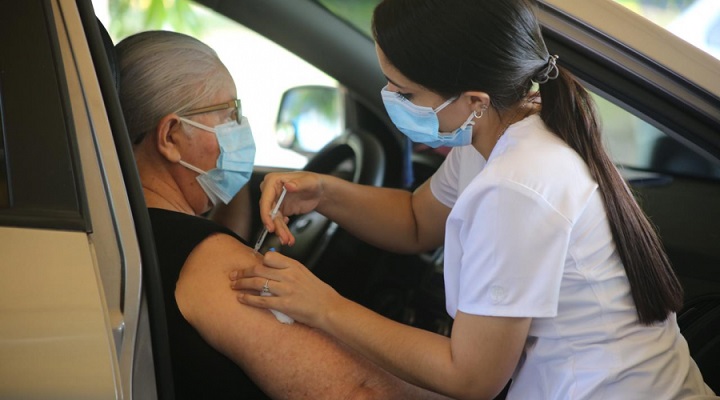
421, 125
235, 162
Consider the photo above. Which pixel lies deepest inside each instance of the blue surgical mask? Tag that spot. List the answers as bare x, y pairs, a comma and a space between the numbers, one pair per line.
421, 124
234, 165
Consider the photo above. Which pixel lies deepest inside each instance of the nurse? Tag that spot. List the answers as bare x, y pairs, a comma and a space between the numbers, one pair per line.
554, 276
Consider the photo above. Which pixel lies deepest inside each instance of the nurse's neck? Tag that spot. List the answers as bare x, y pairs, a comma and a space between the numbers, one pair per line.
486, 134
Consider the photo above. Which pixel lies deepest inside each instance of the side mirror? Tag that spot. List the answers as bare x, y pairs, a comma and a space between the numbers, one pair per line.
309, 118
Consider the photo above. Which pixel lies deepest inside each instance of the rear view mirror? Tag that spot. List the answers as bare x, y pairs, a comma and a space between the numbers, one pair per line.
309, 118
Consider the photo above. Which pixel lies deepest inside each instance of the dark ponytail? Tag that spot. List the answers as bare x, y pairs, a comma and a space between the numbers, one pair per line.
568, 110
496, 47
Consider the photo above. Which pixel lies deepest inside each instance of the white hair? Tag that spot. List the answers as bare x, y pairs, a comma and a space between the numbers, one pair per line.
164, 72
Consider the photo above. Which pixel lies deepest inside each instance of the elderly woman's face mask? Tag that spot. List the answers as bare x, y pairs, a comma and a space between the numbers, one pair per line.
235, 163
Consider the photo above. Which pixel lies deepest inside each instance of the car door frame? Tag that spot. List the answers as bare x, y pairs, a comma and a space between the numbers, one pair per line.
74, 198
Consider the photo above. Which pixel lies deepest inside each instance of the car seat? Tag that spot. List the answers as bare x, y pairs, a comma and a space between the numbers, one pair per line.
700, 324
104, 58
669, 155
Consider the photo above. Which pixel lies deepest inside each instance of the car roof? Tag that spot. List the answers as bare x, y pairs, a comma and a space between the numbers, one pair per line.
647, 38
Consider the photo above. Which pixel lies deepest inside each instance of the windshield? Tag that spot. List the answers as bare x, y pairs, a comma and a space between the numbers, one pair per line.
696, 21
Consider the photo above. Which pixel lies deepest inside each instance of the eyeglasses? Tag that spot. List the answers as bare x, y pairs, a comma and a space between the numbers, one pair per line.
223, 106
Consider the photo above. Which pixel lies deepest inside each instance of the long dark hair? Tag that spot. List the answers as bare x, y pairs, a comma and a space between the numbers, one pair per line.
495, 46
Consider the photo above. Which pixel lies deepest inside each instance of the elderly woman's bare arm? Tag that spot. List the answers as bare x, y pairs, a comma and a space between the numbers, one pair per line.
286, 361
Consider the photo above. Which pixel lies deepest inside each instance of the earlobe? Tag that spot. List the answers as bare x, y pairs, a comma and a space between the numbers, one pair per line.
166, 133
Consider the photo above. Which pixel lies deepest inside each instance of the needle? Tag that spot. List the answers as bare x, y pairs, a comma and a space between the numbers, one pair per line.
273, 214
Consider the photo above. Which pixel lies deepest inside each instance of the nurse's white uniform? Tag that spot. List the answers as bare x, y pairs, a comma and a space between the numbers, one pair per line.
528, 237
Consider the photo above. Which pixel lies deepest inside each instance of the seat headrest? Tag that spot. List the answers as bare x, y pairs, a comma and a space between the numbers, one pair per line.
110, 52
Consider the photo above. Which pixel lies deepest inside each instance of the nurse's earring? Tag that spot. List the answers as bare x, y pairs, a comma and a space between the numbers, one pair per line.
482, 112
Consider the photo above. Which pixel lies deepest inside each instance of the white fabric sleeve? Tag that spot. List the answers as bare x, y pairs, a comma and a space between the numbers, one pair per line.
513, 246
444, 182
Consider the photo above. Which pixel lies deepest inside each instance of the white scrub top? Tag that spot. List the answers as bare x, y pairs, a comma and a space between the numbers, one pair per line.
528, 237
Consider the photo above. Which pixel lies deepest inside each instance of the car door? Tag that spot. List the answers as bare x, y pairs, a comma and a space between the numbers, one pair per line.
73, 318
659, 108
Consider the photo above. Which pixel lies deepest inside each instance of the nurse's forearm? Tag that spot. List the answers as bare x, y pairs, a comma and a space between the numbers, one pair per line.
383, 217
471, 367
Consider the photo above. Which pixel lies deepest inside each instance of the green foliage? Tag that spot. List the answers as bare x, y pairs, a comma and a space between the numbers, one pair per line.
659, 4
677, 4
661, 12
130, 16
325, 100
357, 12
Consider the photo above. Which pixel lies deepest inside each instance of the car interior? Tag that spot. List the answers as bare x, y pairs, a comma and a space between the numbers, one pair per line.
680, 188
3, 182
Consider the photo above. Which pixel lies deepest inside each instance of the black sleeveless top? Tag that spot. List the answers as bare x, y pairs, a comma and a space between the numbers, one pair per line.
199, 371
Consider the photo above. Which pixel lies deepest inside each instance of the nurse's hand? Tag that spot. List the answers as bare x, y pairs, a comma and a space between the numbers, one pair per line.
304, 193
296, 291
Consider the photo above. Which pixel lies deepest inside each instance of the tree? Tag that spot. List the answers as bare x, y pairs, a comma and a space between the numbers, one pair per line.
131, 16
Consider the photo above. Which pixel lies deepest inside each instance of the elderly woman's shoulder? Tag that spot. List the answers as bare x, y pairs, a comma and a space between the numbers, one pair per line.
221, 251
204, 279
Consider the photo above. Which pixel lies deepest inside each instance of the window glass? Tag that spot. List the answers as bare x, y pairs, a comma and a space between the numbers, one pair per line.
628, 139
38, 184
635, 144
261, 78
697, 21
632, 142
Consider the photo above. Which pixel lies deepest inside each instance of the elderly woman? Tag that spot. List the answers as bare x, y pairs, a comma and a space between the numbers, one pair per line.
194, 148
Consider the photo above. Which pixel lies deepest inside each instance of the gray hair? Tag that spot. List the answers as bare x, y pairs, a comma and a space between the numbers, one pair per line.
164, 72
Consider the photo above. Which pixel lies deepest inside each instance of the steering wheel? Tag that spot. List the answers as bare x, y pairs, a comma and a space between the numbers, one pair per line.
358, 157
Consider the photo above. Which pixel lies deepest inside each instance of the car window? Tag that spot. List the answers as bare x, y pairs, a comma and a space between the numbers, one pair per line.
696, 21
263, 79
636, 144
632, 142
263, 71
38, 180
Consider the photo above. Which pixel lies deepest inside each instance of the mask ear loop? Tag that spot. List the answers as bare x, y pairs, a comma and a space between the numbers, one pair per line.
445, 104
197, 124
192, 167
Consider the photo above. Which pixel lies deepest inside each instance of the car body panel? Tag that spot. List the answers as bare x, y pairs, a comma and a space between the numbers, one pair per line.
95, 343
677, 92
113, 235
54, 323
636, 32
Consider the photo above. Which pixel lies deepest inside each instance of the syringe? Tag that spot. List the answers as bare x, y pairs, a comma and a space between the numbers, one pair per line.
273, 214
278, 315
